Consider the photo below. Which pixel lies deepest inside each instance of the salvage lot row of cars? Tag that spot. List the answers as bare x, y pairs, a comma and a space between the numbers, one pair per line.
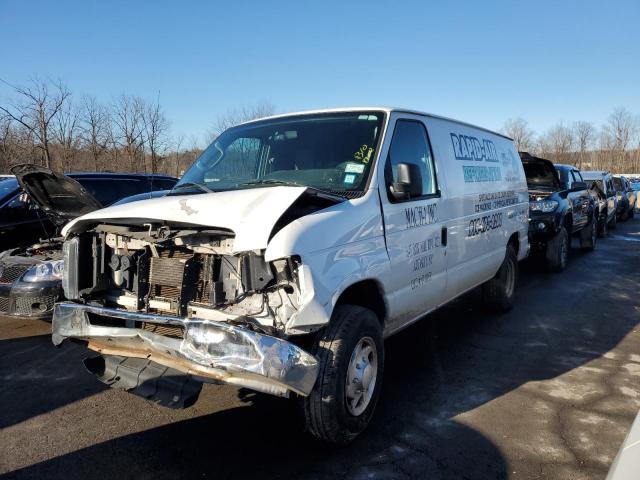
295, 244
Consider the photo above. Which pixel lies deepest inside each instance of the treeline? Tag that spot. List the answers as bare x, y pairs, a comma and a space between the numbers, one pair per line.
615, 146
43, 122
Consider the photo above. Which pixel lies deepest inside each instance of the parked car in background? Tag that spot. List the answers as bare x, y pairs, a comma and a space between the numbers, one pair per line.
30, 276
142, 196
635, 186
23, 223
626, 197
569, 174
602, 184
558, 210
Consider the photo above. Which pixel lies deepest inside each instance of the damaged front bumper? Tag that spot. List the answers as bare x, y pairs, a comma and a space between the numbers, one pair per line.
207, 349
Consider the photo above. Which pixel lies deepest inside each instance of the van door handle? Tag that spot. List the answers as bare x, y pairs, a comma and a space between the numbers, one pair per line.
443, 237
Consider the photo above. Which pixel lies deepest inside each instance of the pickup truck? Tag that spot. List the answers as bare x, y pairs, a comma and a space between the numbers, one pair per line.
560, 206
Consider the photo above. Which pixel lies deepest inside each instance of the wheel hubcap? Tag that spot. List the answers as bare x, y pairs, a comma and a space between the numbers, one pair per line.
362, 374
511, 278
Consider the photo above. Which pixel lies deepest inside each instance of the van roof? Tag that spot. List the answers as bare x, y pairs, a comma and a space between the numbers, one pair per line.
382, 109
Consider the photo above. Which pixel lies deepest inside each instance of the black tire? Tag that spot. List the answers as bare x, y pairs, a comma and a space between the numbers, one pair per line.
613, 223
326, 414
602, 228
631, 213
498, 293
589, 235
557, 254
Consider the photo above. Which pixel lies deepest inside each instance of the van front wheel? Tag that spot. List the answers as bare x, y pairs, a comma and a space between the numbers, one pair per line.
498, 292
350, 353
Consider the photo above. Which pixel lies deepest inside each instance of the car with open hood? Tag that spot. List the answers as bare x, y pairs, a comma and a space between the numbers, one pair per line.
287, 253
601, 182
30, 275
560, 208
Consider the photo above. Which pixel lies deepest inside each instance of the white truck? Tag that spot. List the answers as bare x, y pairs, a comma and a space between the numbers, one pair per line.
287, 253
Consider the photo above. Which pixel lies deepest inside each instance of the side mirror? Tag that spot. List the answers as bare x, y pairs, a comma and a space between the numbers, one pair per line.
578, 186
409, 182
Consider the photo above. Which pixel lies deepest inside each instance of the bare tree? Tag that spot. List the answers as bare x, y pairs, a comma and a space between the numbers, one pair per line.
619, 133
558, 143
518, 129
584, 133
36, 106
95, 128
66, 132
156, 127
129, 128
236, 116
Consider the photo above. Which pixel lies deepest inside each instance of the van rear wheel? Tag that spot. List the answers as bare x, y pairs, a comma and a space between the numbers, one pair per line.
497, 293
350, 352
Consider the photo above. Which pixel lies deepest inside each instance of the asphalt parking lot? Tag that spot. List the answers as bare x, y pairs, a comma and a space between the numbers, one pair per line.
546, 391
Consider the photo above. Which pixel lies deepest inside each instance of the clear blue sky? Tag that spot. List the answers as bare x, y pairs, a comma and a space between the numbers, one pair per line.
481, 62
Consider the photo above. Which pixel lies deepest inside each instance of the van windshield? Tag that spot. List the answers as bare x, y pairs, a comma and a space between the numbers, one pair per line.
331, 152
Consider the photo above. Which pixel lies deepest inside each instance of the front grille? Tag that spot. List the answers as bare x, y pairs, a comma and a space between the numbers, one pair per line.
28, 306
4, 304
172, 331
12, 272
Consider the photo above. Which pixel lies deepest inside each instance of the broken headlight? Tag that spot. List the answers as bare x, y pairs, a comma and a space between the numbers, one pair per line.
544, 206
45, 272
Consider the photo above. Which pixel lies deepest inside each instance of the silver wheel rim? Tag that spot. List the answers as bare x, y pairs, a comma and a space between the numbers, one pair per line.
511, 278
362, 374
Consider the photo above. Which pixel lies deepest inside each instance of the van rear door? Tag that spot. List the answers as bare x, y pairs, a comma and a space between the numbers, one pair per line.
413, 227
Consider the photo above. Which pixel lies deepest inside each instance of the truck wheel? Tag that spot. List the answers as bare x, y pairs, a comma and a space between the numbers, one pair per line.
350, 352
558, 251
497, 293
614, 222
602, 229
631, 212
589, 235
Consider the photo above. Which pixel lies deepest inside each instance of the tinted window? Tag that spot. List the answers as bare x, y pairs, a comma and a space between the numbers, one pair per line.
109, 190
577, 177
8, 187
411, 145
617, 183
163, 184
20, 209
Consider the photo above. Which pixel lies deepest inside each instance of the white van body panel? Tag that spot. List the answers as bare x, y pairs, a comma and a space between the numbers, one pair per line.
396, 245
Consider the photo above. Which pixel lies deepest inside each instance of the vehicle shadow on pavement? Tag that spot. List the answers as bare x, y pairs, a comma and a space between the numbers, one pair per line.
454, 361
33, 364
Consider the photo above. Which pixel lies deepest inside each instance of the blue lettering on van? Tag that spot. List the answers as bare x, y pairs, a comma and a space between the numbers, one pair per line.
473, 174
472, 148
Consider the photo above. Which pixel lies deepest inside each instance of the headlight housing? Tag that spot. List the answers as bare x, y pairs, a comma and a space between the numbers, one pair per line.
46, 271
544, 206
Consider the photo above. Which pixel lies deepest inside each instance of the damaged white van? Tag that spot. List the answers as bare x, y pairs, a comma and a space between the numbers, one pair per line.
287, 253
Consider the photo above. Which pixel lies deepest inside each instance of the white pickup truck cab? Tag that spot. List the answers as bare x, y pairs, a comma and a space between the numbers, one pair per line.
287, 253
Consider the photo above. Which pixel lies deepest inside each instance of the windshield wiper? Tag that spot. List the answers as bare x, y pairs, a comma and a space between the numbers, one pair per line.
272, 181
287, 183
199, 186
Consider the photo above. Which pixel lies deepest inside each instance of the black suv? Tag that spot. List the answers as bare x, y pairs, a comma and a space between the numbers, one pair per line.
558, 210
22, 222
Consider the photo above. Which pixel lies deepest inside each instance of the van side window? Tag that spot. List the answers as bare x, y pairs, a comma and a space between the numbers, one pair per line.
410, 144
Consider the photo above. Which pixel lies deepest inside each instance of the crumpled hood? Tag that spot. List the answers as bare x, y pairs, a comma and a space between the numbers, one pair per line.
250, 213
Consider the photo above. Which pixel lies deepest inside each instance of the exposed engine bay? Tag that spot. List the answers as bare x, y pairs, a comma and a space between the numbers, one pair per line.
182, 271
